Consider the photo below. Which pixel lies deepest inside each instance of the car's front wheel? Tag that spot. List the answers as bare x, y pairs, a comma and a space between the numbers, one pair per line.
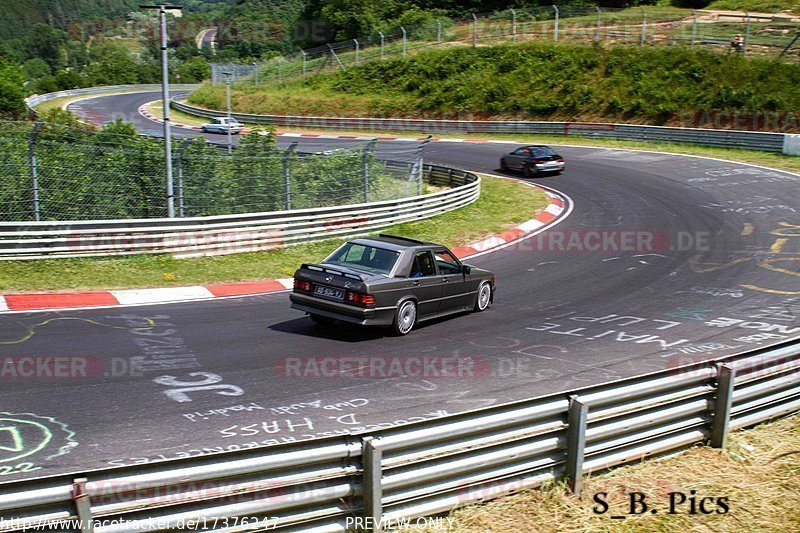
484, 297
405, 318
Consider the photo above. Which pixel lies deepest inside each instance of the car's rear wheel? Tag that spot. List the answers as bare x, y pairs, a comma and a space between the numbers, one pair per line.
484, 297
529, 171
321, 320
503, 165
405, 318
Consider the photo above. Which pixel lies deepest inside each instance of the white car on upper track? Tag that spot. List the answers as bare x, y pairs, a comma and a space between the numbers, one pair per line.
222, 125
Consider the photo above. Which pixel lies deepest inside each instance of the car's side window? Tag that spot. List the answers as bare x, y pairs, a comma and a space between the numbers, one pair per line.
423, 265
518, 151
447, 263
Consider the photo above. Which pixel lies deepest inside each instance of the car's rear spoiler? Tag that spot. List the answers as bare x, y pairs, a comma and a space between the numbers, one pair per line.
335, 272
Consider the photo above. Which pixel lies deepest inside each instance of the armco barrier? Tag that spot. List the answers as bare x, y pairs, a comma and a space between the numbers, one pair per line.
751, 140
215, 235
38, 99
381, 478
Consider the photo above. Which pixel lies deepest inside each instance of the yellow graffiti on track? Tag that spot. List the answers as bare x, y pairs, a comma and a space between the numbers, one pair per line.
31, 329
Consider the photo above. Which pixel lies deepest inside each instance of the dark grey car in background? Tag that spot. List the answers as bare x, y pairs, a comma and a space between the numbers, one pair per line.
390, 281
534, 160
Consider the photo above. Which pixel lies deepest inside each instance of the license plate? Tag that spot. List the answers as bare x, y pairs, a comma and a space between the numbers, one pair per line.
552, 164
329, 292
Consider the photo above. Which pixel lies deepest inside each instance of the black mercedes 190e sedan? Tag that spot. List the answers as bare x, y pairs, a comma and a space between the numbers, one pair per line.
390, 281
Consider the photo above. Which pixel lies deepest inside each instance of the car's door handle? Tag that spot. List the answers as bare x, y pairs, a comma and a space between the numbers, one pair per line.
416, 283
445, 280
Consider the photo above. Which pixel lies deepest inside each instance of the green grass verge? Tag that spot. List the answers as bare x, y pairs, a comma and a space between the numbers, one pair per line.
533, 81
502, 204
757, 472
758, 6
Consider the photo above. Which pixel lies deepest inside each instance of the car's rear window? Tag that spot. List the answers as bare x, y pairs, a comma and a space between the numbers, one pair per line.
542, 151
363, 257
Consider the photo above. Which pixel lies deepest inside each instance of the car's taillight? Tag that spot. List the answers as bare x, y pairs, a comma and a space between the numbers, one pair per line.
560, 159
358, 298
301, 285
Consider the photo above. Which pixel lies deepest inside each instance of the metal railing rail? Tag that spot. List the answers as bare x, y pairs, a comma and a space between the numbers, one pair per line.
751, 140
214, 235
425, 467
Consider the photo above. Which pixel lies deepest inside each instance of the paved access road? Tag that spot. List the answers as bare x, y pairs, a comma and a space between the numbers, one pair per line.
664, 260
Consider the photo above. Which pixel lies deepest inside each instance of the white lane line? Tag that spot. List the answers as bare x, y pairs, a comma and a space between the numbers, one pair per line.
169, 294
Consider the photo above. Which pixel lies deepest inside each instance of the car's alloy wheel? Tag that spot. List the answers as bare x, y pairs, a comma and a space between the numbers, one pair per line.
484, 296
529, 172
405, 318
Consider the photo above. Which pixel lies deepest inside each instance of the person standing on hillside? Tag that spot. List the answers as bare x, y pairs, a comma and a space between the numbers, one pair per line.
737, 43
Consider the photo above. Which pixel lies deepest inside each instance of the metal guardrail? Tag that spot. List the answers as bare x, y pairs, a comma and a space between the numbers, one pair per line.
38, 99
751, 140
215, 235
418, 469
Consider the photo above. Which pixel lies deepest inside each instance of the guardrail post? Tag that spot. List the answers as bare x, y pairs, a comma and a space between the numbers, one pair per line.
83, 505
405, 40
576, 443
372, 490
597, 27
179, 165
37, 128
694, 26
555, 25
474, 30
726, 375
368, 148
287, 182
644, 27
746, 33
513, 26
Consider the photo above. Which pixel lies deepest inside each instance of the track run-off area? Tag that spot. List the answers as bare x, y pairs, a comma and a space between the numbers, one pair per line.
664, 260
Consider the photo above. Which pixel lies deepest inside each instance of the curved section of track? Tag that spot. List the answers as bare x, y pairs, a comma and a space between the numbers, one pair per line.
665, 260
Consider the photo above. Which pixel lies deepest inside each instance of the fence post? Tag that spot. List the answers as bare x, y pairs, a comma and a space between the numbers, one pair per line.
305, 55
83, 505
287, 183
368, 148
179, 165
555, 25
694, 26
372, 490
255, 66
644, 27
597, 28
746, 33
576, 443
726, 376
405, 40
280, 70
474, 30
357, 48
513, 26
382, 41
438, 34
37, 214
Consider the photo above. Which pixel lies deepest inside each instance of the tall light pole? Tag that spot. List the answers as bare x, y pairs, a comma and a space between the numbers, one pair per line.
162, 9
228, 76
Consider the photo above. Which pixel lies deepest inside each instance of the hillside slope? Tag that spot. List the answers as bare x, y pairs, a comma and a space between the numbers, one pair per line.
539, 82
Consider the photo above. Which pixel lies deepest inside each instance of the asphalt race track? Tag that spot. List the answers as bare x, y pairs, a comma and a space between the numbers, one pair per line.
665, 260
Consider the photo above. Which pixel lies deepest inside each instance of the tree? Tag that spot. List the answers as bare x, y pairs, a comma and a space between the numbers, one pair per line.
36, 68
12, 92
194, 70
111, 64
46, 42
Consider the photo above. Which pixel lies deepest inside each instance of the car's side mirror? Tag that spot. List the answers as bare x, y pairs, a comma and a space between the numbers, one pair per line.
466, 269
